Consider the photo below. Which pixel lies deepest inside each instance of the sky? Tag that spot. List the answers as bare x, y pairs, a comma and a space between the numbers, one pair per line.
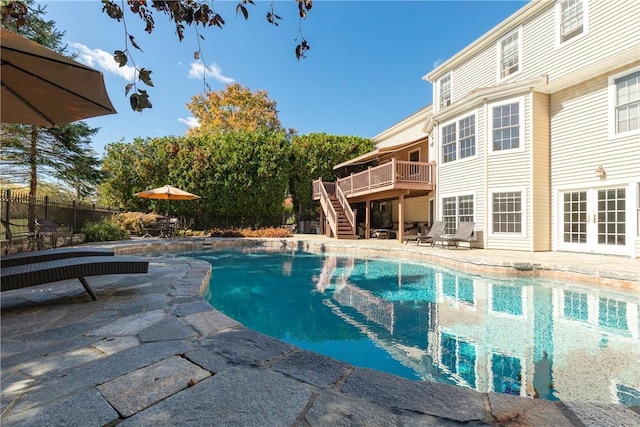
363, 73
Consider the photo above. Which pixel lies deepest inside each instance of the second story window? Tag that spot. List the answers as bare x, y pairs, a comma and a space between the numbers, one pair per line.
509, 54
445, 91
627, 103
571, 17
459, 139
506, 126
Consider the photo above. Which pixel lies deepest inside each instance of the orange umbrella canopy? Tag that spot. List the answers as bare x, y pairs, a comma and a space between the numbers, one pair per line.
167, 192
43, 88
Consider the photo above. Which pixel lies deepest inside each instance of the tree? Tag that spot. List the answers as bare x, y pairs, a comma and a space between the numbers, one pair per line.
62, 153
181, 13
234, 108
314, 155
240, 175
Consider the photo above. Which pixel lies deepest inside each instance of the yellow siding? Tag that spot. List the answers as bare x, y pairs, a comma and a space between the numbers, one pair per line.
613, 28
580, 137
481, 71
540, 182
416, 209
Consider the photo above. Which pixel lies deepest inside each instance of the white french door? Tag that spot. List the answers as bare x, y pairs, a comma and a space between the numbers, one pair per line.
594, 220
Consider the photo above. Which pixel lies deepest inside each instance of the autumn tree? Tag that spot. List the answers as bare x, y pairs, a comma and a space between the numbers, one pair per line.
313, 156
234, 108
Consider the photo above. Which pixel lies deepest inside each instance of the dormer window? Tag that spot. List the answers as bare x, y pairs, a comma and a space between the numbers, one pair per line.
509, 54
445, 91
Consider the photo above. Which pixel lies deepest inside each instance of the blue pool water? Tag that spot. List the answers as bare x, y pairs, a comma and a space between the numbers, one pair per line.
535, 338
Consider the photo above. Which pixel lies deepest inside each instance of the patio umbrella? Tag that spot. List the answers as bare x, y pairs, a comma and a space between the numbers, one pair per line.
167, 192
43, 88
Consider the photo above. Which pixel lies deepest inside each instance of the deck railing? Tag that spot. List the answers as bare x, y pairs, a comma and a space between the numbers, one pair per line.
348, 212
327, 206
388, 174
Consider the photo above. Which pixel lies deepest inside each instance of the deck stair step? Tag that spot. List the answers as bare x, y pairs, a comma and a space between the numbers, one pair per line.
345, 231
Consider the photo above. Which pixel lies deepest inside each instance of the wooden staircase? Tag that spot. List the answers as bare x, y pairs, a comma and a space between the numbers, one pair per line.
344, 229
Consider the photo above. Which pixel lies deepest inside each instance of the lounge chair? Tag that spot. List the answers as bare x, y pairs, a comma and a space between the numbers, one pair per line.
464, 233
436, 230
22, 276
51, 254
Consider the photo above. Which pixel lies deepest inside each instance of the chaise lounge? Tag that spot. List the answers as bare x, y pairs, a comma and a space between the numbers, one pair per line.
22, 258
464, 233
436, 230
21, 276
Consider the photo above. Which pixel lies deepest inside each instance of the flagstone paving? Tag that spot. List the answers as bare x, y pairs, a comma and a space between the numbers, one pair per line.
150, 351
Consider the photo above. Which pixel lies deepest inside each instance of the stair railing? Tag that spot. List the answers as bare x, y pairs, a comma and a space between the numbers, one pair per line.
348, 212
329, 210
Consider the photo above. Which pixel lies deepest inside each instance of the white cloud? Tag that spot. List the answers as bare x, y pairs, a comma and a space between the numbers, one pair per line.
98, 58
437, 63
191, 122
197, 70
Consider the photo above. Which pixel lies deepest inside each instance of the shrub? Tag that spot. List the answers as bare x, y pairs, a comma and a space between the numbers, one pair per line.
103, 231
269, 232
130, 221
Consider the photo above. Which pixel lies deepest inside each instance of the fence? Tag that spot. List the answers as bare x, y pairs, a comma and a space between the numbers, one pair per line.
22, 210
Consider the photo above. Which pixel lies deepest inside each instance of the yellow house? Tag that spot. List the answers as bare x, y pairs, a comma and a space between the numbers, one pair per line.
535, 131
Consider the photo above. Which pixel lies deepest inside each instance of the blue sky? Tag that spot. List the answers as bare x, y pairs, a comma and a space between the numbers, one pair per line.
362, 74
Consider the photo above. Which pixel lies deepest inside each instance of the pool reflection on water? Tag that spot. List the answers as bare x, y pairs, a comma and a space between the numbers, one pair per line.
527, 337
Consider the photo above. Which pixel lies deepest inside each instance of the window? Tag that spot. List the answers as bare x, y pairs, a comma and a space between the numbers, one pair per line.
449, 214
449, 150
506, 126
445, 91
507, 212
571, 19
459, 139
456, 209
509, 54
627, 103
467, 136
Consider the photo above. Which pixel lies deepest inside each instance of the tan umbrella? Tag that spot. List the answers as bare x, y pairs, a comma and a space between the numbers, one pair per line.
167, 192
43, 88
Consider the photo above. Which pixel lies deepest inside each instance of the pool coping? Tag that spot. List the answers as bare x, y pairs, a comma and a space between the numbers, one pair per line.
227, 374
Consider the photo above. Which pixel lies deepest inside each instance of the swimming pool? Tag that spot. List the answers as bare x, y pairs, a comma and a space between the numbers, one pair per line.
524, 337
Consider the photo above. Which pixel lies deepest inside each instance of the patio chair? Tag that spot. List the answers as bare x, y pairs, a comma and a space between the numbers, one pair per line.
12, 236
464, 233
51, 229
436, 231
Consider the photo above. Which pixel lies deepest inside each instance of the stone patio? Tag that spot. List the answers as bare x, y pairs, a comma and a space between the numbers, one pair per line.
151, 351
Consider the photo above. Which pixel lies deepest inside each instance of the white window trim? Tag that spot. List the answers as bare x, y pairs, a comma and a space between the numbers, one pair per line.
414, 151
521, 119
438, 102
456, 196
585, 24
499, 54
612, 105
525, 207
456, 121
